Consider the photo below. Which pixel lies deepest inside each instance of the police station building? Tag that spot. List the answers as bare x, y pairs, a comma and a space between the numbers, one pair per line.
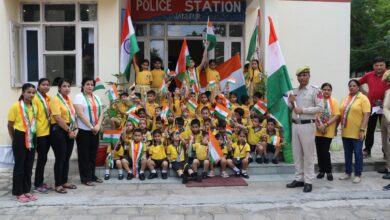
77, 38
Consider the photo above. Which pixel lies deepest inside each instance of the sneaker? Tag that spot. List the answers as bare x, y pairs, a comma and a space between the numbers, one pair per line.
357, 179
245, 175
345, 177
386, 188
164, 176
22, 199
211, 174
224, 174
152, 175
31, 196
107, 177
129, 176
259, 160
275, 161
266, 160
41, 189
142, 176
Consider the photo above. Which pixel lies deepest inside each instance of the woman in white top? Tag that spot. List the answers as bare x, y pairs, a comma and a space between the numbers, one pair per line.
90, 116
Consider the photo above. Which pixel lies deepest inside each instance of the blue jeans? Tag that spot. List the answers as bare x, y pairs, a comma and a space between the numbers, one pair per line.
353, 146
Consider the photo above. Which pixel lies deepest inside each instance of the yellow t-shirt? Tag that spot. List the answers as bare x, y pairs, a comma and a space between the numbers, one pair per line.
234, 137
43, 125
157, 152
240, 151
173, 153
254, 136
201, 105
355, 117
224, 150
158, 78
212, 75
255, 75
15, 116
330, 130
58, 108
187, 77
201, 151
176, 107
186, 135
143, 78
264, 132
151, 108
118, 154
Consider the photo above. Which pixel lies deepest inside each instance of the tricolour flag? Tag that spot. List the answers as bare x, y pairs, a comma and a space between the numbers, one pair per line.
132, 109
259, 108
275, 140
210, 36
229, 69
113, 93
163, 88
192, 103
255, 38
215, 152
111, 136
164, 112
133, 118
221, 111
229, 130
279, 81
183, 61
231, 81
129, 45
99, 84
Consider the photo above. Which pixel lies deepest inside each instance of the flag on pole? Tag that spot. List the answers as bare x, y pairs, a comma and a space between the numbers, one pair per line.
279, 81
133, 118
192, 103
113, 93
111, 136
221, 111
255, 38
183, 61
164, 112
99, 84
231, 81
215, 152
132, 109
229, 130
129, 45
259, 108
163, 88
210, 36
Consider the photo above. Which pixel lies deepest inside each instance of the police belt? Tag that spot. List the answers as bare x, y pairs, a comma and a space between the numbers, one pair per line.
308, 121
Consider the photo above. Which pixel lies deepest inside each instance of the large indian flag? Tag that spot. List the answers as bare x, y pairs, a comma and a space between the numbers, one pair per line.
182, 63
210, 36
129, 46
279, 83
255, 38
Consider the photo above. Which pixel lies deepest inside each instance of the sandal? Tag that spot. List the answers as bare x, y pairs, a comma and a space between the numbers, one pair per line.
98, 180
69, 186
60, 189
31, 196
22, 199
89, 183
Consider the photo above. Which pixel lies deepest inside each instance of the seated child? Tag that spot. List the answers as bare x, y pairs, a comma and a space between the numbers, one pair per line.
201, 157
157, 156
136, 157
113, 160
223, 161
241, 154
270, 142
118, 121
254, 135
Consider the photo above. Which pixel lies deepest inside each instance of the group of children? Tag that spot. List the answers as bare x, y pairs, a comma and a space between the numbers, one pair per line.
176, 134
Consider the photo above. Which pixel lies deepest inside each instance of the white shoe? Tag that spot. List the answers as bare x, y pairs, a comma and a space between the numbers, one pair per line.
357, 179
345, 177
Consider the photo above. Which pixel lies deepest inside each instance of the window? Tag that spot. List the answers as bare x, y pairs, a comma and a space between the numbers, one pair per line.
56, 40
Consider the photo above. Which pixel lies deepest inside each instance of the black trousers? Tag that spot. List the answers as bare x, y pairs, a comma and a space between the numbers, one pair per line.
24, 160
87, 145
62, 146
43, 146
371, 131
323, 154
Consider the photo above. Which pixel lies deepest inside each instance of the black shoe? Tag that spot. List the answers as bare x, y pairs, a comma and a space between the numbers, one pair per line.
295, 184
194, 174
152, 175
129, 176
237, 174
266, 160
320, 175
204, 175
250, 160
384, 171
259, 160
198, 178
275, 161
329, 176
245, 175
142, 176
120, 176
164, 176
386, 176
184, 179
386, 188
307, 188
106, 176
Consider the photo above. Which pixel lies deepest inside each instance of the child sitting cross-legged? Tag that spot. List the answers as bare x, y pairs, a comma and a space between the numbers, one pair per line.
158, 156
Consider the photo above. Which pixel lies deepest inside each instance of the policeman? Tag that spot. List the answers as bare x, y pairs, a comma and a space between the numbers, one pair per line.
305, 102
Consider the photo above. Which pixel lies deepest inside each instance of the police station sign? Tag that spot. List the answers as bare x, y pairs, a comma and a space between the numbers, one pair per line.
188, 10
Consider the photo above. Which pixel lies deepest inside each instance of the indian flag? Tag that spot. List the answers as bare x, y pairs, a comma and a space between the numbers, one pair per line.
113, 93
255, 38
229, 130
212, 83
132, 109
163, 88
221, 111
192, 103
111, 136
231, 81
275, 140
99, 84
133, 118
129, 45
183, 61
215, 152
210, 36
229, 69
279, 81
164, 112
170, 73
260, 108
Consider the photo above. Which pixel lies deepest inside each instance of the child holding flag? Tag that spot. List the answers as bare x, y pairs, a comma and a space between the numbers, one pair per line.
114, 160
201, 157
223, 160
270, 142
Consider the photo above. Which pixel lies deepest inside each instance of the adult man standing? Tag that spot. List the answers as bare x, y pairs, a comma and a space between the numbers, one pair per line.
305, 103
376, 93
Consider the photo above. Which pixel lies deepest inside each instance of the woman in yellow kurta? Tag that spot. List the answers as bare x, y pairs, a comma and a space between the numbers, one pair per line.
42, 100
63, 131
22, 117
326, 123
143, 78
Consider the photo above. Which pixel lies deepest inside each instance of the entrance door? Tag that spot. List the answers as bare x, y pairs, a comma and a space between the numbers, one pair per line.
195, 47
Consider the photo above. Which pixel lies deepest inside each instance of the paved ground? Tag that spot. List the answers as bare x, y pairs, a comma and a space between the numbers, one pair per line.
265, 198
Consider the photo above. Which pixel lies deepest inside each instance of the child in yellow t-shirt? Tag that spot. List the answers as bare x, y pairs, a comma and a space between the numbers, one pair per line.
254, 135
118, 121
241, 153
143, 78
151, 105
204, 102
270, 142
157, 156
114, 159
201, 157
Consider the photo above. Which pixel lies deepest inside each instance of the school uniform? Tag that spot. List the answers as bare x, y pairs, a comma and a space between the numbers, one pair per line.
116, 154
158, 155
201, 152
176, 156
239, 152
143, 80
